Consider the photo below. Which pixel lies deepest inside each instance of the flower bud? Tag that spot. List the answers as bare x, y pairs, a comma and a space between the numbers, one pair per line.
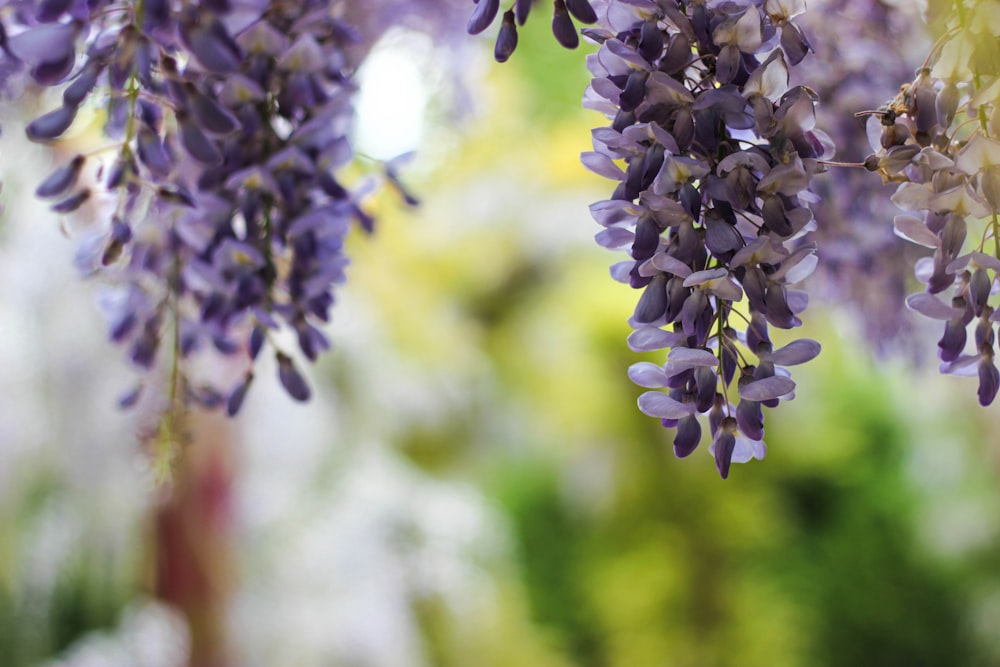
946, 104
562, 26
582, 11
62, 179
989, 380
291, 379
506, 38
687, 437
482, 17
51, 125
895, 134
989, 183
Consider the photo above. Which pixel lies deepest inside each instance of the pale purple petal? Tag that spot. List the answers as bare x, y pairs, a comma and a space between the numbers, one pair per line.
701, 277
648, 270
671, 264
986, 261
785, 179
664, 138
958, 263
649, 339
797, 352
606, 90
911, 197
601, 165
802, 269
800, 255
622, 271
627, 54
667, 208
770, 79
43, 44
980, 152
797, 300
930, 306
747, 449
923, 269
692, 357
964, 366
647, 374
759, 251
212, 47
767, 389
914, 230
961, 199
262, 38
613, 212
681, 359
658, 404
614, 238
725, 288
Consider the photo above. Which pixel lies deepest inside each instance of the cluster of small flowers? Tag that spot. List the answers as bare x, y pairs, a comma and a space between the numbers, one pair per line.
563, 13
864, 48
227, 218
939, 140
712, 204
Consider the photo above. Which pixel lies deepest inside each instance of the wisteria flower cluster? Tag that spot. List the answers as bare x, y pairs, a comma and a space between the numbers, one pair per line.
713, 153
226, 216
224, 203
939, 139
870, 47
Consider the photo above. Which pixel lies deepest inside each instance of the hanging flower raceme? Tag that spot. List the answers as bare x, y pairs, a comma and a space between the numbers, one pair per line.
713, 154
226, 217
940, 140
868, 47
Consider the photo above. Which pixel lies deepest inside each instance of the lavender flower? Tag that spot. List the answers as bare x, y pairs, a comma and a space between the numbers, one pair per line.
864, 48
939, 139
229, 216
711, 205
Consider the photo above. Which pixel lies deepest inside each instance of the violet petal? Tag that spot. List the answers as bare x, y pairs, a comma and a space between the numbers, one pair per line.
658, 404
767, 388
687, 437
51, 125
482, 16
291, 379
797, 352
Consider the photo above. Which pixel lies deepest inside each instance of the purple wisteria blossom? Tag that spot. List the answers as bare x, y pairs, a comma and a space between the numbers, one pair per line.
939, 140
225, 206
864, 48
713, 152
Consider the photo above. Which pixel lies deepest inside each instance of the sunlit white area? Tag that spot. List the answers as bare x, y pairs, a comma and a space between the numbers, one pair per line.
392, 104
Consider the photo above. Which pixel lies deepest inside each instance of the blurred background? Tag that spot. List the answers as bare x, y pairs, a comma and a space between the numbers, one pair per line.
472, 484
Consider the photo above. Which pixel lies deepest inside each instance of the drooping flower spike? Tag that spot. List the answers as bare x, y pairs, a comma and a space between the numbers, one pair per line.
713, 153
867, 47
225, 212
939, 139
